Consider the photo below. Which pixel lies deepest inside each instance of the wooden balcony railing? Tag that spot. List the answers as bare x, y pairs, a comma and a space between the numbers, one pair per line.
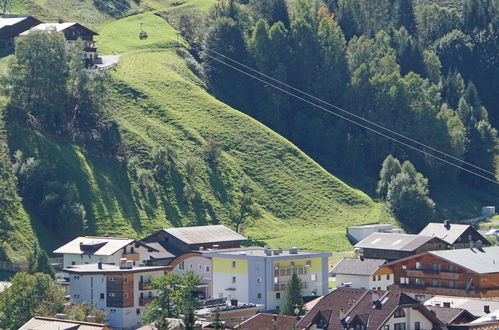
144, 285
429, 273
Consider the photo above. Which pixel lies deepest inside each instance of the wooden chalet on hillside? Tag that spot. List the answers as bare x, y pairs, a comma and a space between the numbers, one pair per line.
471, 272
456, 235
13, 25
72, 32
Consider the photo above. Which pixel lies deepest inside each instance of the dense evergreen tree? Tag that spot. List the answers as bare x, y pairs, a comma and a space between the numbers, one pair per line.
39, 262
293, 297
407, 17
226, 37
389, 169
407, 197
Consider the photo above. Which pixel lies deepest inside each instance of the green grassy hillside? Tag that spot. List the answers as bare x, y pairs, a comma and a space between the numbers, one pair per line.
158, 102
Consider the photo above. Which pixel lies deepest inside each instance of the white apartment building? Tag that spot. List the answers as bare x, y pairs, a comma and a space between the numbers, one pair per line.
120, 290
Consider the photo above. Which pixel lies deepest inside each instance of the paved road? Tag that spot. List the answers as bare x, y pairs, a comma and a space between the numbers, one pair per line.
108, 61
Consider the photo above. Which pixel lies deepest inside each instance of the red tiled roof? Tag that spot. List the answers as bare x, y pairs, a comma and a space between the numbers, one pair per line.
265, 321
357, 306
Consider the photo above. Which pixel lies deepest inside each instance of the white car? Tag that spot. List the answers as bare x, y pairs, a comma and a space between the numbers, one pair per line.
492, 232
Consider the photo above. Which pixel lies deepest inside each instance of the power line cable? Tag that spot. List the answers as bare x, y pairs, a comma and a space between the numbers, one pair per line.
350, 113
348, 119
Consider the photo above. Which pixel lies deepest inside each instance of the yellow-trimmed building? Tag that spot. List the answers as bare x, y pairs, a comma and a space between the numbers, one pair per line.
260, 275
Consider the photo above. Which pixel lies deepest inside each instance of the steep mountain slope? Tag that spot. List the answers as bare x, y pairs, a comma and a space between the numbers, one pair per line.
159, 103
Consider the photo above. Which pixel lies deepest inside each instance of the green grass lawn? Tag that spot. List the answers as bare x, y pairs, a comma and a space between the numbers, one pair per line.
159, 101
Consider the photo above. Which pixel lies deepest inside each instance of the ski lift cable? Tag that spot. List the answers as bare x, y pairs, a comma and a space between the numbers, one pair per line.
349, 119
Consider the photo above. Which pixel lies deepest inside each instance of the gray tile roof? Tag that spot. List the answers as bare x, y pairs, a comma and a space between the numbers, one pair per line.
473, 305
448, 314
449, 233
482, 261
356, 266
205, 234
387, 241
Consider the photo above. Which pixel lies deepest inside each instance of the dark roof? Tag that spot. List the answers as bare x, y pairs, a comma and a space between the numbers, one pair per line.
357, 306
399, 242
448, 315
265, 321
357, 266
205, 234
482, 261
449, 232
161, 252
59, 27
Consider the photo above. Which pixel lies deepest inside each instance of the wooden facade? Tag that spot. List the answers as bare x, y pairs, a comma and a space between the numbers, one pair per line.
427, 274
120, 290
9, 31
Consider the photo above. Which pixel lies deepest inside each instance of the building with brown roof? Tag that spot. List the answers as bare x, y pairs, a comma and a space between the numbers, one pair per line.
347, 308
456, 235
461, 272
265, 321
397, 246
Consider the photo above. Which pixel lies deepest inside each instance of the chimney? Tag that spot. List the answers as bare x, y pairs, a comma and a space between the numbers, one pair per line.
472, 245
342, 314
447, 224
91, 318
99, 265
81, 246
274, 317
486, 309
60, 20
374, 297
123, 263
479, 245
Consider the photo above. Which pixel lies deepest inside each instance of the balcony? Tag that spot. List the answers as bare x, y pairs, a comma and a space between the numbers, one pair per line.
288, 271
434, 274
144, 285
428, 289
145, 301
282, 286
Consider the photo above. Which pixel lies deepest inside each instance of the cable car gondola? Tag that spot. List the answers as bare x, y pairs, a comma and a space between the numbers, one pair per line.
142, 34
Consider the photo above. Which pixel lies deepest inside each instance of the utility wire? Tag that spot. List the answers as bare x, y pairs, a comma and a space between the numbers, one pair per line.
350, 113
346, 118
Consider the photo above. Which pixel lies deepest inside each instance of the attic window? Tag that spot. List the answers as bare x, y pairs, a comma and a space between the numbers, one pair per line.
399, 313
